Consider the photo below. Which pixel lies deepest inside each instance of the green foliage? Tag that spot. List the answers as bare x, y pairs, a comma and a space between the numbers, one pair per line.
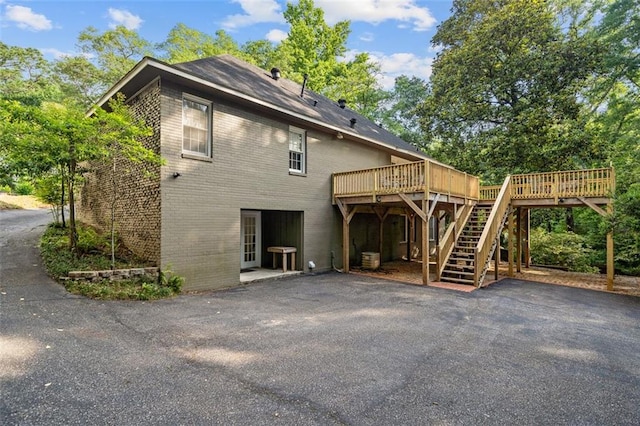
48, 190
116, 51
23, 187
143, 288
626, 225
399, 112
185, 44
318, 50
505, 90
564, 249
59, 261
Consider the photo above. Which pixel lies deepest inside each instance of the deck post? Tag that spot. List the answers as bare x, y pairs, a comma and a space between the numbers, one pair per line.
346, 219
510, 245
610, 258
381, 218
425, 242
519, 239
527, 244
496, 268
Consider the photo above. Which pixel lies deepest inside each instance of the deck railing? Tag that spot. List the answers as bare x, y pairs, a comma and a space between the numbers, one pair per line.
491, 229
406, 178
556, 185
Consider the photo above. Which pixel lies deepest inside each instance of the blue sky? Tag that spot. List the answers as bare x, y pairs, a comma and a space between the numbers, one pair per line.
396, 33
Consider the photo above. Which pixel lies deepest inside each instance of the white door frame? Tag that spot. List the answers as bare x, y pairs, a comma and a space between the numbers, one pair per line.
251, 243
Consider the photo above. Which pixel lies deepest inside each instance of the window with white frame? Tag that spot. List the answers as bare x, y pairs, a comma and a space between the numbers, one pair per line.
297, 147
196, 126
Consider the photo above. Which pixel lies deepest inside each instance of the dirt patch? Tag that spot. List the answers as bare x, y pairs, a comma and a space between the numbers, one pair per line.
29, 202
411, 273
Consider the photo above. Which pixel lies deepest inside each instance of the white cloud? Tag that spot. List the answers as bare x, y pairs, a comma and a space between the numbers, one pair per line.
377, 11
276, 36
57, 54
255, 11
124, 18
26, 19
367, 37
397, 64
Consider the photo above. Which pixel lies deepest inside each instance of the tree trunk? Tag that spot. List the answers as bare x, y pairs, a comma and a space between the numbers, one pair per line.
568, 216
62, 185
73, 232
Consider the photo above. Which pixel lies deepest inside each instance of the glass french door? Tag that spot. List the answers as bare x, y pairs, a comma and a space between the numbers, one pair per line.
250, 239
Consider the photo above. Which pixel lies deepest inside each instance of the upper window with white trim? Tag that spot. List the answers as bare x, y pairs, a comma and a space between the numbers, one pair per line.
297, 149
196, 126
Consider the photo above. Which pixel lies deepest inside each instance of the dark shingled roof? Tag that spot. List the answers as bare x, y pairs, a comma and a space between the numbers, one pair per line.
239, 76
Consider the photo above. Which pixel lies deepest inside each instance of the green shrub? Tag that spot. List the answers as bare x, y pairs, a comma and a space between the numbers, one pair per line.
23, 188
564, 249
93, 254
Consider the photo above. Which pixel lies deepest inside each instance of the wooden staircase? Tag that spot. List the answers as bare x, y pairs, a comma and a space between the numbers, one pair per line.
460, 266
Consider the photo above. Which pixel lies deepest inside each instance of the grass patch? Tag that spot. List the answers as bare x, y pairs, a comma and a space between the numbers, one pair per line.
143, 288
94, 254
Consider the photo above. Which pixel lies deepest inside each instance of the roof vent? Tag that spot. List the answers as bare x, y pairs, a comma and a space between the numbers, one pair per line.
342, 103
353, 122
275, 73
304, 84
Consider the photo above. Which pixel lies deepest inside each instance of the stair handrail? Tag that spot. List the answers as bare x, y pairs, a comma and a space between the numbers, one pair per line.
450, 237
491, 229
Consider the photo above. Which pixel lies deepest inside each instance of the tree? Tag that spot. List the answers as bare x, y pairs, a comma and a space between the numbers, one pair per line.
25, 75
116, 51
53, 139
399, 109
80, 81
261, 53
317, 50
505, 90
120, 139
185, 44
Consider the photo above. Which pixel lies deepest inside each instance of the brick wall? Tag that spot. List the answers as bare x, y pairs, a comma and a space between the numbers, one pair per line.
248, 169
137, 212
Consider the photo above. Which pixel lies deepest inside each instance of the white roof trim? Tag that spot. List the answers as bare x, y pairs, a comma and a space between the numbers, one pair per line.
147, 61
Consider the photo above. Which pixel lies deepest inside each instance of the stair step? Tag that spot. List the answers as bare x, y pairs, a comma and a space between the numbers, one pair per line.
457, 280
463, 254
458, 261
459, 269
457, 272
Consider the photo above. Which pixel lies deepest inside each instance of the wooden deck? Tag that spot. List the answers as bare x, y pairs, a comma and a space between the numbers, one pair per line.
383, 184
420, 187
563, 189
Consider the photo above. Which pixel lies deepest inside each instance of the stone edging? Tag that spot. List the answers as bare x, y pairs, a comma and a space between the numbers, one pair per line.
112, 274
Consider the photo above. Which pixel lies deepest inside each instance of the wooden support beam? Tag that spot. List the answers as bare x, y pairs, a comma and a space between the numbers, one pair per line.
496, 269
346, 219
595, 207
382, 214
527, 245
425, 243
519, 239
410, 218
433, 206
610, 258
417, 210
510, 245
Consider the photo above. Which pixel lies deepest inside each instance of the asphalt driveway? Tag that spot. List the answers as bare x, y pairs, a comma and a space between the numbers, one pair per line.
324, 349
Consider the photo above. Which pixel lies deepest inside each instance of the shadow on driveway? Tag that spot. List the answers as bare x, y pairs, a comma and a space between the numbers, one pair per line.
323, 349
